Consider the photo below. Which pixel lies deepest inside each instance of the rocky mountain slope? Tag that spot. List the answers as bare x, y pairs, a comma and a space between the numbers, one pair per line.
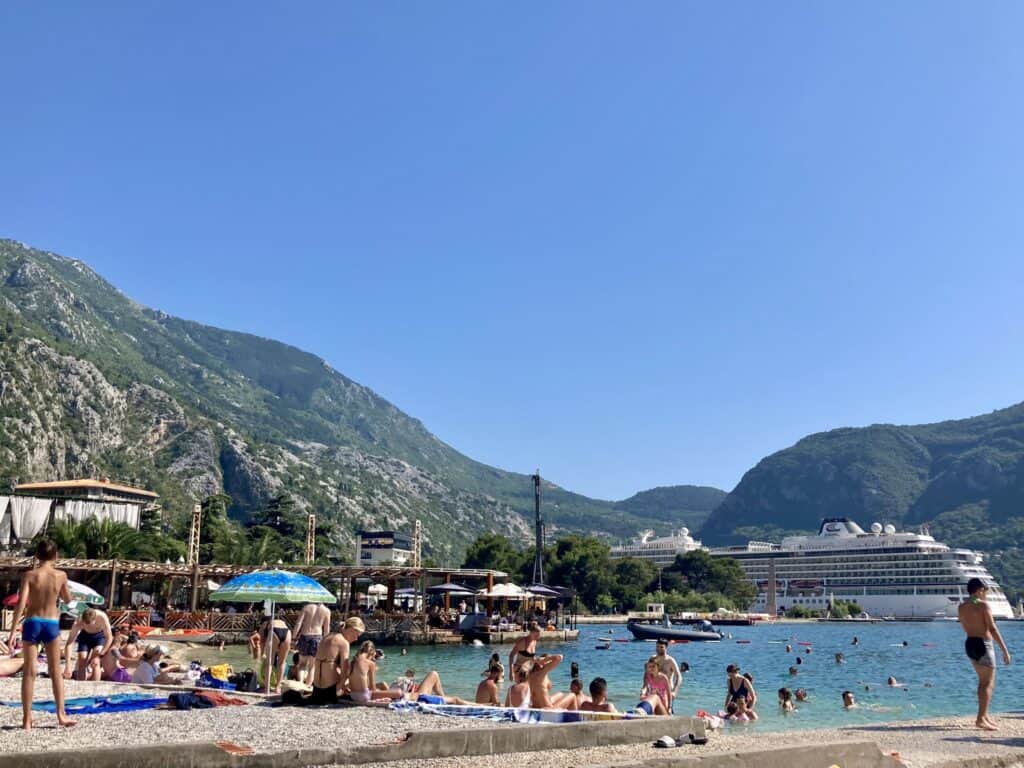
689, 505
965, 478
92, 383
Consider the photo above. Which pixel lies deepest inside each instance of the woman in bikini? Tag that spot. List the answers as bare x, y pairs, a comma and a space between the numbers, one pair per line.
362, 679
656, 683
280, 634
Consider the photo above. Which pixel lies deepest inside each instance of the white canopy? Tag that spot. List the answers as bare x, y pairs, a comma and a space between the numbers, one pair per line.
377, 589
508, 591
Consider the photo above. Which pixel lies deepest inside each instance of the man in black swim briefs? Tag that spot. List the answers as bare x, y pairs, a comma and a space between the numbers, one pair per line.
976, 619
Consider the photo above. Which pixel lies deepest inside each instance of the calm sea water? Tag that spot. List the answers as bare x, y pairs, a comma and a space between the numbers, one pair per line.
932, 668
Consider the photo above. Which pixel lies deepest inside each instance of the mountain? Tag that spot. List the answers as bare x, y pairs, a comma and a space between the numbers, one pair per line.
688, 505
964, 478
92, 383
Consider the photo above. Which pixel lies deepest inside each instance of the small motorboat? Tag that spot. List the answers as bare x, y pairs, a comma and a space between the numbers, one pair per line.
156, 635
666, 630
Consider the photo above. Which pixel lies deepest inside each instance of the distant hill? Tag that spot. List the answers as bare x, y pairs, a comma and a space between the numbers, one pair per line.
93, 383
965, 478
679, 505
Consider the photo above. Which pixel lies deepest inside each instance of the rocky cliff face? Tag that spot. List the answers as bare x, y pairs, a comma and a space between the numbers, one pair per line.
92, 383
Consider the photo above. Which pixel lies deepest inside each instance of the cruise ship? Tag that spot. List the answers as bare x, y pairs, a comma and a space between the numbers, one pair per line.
889, 574
661, 551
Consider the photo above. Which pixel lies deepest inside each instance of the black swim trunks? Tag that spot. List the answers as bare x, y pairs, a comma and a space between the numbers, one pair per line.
327, 695
979, 650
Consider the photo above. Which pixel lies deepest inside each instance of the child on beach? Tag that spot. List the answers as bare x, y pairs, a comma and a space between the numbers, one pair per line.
37, 602
656, 682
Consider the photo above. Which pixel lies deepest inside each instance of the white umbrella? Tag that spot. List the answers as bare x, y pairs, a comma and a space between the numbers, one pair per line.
507, 591
377, 589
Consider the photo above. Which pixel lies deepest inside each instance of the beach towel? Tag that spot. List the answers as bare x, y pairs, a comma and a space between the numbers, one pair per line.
505, 714
98, 705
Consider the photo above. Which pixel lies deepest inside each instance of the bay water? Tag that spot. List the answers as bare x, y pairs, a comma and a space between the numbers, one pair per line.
927, 658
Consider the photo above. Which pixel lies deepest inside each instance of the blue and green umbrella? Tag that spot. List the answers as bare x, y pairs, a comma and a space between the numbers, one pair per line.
271, 587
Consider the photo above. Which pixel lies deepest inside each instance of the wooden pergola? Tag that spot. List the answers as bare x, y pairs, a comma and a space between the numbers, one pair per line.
197, 574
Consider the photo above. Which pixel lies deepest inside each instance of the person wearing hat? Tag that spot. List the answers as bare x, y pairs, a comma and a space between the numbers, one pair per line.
331, 663
153, 670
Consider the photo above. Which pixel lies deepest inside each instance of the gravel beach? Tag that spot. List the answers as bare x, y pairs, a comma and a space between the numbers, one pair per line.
259, 726
920, 743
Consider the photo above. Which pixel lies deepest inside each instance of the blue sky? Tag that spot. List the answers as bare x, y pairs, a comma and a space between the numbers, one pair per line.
632, 245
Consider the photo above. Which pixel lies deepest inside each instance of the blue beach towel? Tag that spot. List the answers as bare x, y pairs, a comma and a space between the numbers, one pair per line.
504, 714
98, 705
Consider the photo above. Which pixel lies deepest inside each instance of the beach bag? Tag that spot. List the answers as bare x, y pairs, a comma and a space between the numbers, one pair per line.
245, 681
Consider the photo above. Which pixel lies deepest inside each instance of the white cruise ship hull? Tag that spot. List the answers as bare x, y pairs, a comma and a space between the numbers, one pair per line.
884, 606
888, 574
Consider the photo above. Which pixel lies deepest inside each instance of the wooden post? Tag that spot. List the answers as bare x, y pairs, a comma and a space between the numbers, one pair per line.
447, 597
392, 586
195, 585
113, 584
490, 600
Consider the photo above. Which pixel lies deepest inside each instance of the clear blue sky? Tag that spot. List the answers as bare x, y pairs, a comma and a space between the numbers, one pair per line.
632, 245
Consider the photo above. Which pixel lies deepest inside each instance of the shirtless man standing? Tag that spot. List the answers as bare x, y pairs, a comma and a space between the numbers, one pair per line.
37, 602
525, 647
313, 624
331, 665
668, 666
976, 619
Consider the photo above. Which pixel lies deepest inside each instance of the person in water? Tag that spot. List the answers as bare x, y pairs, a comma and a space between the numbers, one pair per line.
669, 667
37, 602
849, 702
786, 700
656, 682
737, 686
525, 648
976, 619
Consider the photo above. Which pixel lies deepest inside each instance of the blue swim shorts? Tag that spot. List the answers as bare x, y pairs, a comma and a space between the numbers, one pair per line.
646, 707
40, 631
428, 699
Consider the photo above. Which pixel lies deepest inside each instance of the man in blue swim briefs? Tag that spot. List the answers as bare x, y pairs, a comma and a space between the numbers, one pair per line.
976, 619
37, 602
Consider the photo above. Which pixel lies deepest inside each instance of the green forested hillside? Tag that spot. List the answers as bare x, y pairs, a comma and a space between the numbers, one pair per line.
965, 478
93, 383
688, 505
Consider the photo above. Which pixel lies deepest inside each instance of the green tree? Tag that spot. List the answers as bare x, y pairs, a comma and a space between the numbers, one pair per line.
218, 532
705, 573
583, 563
495, 552
632, 578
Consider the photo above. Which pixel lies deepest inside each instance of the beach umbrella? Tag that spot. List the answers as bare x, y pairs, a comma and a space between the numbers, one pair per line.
82, 597
541, 590
273, 586
451, 589
508, 591
406, 591
377, 589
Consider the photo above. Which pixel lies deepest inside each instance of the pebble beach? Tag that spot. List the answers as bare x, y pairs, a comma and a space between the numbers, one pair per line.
920, 744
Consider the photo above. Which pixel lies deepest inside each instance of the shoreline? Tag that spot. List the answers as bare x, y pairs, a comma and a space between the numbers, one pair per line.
920, 743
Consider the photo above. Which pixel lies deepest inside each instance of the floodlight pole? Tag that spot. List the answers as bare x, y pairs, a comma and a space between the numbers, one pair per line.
538, 554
